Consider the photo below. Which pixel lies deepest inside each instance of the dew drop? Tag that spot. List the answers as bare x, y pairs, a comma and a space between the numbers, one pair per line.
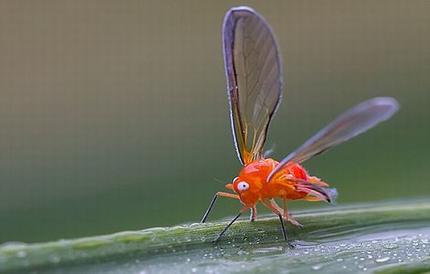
382, 260
316, 267
391, 246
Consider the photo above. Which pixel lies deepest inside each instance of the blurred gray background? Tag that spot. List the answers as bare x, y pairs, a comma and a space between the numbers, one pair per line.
113, 114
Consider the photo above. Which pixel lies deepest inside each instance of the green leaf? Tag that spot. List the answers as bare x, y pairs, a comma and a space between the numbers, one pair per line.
390, 238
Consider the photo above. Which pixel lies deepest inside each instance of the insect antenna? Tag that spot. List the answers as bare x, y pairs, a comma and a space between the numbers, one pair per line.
219, 180
270, 151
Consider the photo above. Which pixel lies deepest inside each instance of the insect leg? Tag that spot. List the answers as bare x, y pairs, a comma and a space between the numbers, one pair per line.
288, 217
253, 214
212, 203
284, 203
272, 205
284, 232
229, 224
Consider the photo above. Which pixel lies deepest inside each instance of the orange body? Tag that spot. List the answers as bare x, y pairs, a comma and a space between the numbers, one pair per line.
292, 183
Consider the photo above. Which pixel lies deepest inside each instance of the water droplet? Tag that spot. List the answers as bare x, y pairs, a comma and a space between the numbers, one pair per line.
316, 267
382, 260
194, 270
242, 253
265, 250
390, 246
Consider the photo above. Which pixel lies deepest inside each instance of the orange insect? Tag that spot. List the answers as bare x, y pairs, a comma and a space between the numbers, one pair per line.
254, 81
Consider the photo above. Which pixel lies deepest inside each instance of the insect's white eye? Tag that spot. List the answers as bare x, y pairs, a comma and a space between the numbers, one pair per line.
242, 186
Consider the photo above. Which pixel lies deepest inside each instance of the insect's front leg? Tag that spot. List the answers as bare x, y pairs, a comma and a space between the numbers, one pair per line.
212, 203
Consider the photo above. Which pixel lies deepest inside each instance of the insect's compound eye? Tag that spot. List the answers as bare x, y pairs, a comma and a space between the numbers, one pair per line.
242, 186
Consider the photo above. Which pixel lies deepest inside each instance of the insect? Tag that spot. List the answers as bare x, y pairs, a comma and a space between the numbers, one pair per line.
254, 82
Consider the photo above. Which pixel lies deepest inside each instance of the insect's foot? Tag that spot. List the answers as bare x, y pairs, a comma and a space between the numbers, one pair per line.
215, 241
291, 245
294, 222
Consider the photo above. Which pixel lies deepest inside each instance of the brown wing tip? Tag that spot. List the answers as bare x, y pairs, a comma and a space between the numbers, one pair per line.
238, 12
241, 9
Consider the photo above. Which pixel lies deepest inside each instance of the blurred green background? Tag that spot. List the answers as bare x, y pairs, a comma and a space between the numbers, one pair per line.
113, 114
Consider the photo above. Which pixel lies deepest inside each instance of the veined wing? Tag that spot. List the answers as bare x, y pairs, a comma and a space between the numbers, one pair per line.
351, 123
253, 71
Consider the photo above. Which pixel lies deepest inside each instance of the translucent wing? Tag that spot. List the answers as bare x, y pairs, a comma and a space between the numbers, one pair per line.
253, 72
348, 125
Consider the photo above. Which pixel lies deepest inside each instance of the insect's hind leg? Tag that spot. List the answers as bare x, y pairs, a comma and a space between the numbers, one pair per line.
212, 203
272, 205
288, 217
